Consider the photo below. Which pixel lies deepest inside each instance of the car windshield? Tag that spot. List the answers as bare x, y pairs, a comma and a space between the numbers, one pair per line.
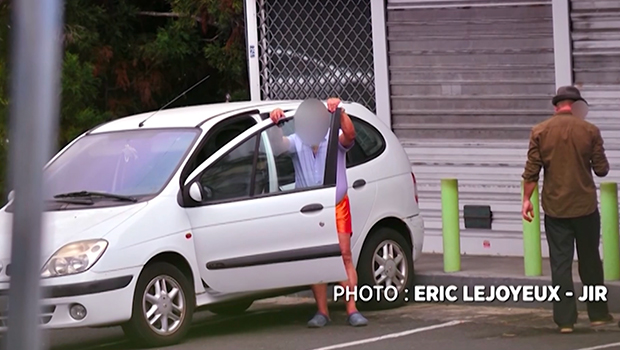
126, 163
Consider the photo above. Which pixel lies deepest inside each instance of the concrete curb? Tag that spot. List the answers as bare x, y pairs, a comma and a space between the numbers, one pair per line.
461, 282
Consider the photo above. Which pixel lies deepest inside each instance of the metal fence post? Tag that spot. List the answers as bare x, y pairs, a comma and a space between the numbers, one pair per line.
609, 228
36, 54
451, 225
532, 253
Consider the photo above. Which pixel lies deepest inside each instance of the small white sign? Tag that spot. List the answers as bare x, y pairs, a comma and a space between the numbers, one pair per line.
252, 51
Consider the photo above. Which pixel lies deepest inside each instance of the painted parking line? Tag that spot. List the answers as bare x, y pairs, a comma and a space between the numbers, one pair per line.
604, 346
392, 336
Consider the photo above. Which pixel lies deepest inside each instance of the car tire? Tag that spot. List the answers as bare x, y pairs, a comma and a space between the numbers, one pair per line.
231, 309
368, 265
139, 329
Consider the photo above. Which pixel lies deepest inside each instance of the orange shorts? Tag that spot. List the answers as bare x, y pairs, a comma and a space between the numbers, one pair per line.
343, 216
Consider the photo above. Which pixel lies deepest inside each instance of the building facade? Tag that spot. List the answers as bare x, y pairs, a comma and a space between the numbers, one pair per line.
461, 82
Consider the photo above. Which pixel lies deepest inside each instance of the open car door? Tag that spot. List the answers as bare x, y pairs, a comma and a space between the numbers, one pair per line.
252, 234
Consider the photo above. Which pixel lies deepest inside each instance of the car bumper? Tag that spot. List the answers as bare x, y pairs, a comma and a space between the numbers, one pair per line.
416, 227
107, 298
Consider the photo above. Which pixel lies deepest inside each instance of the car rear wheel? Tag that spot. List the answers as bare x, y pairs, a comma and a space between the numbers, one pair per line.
233, 308
163, 307
386, 261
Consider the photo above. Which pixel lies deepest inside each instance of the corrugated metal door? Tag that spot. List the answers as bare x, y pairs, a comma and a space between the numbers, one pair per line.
470, 69
468, 81
595, 33
596, 62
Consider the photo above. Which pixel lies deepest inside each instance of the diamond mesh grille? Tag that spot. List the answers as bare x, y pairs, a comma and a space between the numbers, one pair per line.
316, 48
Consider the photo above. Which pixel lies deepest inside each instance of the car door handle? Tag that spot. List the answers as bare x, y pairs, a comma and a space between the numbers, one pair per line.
359, 183
311, 207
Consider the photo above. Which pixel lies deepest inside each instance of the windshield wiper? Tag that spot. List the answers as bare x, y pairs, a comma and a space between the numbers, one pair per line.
71, 201
90, 194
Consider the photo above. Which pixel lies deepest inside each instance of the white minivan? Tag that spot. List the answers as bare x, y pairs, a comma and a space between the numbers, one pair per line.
155, 216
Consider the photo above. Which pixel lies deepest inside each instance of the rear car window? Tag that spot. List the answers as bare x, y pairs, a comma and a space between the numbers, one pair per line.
369, 143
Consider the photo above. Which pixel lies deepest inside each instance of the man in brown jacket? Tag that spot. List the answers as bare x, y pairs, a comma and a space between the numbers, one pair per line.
569, 148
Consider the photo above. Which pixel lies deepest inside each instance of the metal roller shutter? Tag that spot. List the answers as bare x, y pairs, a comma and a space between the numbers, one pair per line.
596, 62
470, 69
468, 80
595, 34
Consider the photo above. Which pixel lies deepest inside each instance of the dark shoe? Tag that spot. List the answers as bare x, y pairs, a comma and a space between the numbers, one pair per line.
319, 320
357, 320
607, 320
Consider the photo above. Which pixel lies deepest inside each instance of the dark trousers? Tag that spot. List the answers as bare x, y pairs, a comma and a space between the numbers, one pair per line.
562, 234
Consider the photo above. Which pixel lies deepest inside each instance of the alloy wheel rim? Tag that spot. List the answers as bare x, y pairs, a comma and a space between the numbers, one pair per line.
389, 264
163, 305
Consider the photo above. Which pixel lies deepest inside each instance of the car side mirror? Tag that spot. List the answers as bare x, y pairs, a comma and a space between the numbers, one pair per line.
11, 195
194, 192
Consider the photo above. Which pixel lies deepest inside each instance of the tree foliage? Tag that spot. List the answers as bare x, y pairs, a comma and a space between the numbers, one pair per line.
130, 56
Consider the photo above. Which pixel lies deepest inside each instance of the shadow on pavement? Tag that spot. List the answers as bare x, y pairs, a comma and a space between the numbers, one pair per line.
255, 320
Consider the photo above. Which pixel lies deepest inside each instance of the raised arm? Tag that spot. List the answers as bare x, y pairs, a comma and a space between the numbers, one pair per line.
279, 142
347, 137
348, 130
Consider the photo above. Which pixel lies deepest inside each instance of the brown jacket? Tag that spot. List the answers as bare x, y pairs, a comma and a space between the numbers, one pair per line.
568, 149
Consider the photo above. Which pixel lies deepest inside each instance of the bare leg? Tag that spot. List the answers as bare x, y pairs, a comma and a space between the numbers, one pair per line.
321, 318
320, 295
345, 247
355, 318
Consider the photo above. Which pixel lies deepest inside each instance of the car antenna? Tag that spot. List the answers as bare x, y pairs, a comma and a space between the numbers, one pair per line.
176, 98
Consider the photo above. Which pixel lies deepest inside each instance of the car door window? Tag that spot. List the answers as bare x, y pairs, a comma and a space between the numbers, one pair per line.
218, 136
285, 169
369, 143
230, 177
261, 183
293, 164
262, 165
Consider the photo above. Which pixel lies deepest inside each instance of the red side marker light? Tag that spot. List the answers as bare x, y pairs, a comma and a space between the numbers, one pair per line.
188, 235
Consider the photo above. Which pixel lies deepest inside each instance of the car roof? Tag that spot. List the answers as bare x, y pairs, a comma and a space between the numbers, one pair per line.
193, 116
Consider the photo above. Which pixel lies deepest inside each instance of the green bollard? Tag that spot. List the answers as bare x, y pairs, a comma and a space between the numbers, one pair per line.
532, 253
609, 228
450, 219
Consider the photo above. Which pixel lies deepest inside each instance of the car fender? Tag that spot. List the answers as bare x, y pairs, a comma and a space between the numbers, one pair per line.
163, 228
356, 249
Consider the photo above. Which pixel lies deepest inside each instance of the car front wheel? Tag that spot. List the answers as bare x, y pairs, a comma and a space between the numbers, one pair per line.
163, 307
385, 264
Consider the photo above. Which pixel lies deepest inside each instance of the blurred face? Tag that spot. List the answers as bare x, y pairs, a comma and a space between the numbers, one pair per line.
580, 109
312, 122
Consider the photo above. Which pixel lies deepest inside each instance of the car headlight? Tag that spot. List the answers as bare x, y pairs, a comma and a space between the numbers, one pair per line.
74, 258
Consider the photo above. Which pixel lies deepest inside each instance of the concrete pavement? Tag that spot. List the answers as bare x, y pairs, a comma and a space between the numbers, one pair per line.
279, 324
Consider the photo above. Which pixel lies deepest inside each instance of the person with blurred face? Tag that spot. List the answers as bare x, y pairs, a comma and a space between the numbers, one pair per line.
309, 163
569, 149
